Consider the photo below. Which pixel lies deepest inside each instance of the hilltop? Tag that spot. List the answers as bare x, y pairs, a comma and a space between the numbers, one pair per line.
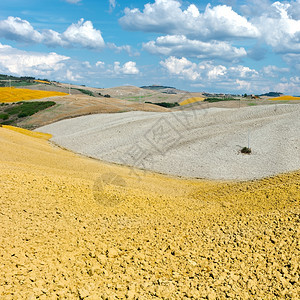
272, 94
81, 100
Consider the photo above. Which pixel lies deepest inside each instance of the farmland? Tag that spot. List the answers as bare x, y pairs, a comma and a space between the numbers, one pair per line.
191, 100
186, 238
77, 227
12, 94
13, 113
285, 97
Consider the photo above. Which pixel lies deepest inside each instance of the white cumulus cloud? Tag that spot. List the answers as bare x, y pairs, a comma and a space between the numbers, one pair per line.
206, 70
22, 63
19, 30
242, 72
125, 48
295, 79
167, 16
292, 88
180, 45
83, 33
243, 85
53, 38
129, 68
216, 71
273, 71
100, 64
182, 67
280, 26
70, 76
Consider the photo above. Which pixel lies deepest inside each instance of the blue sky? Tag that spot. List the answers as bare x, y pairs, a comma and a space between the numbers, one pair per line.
227, 46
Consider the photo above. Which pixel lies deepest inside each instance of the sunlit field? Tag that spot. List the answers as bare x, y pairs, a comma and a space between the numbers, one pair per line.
191, 100
286, 97
164, 237
11, 94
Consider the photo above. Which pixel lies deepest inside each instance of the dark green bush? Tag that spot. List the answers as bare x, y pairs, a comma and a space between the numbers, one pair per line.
164, 104
22, 115
87, 92
4, 116
246, 150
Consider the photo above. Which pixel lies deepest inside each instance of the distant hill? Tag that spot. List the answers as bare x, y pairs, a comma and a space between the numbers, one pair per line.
272, 94
9, 77
162, 89
156, 87
9, 80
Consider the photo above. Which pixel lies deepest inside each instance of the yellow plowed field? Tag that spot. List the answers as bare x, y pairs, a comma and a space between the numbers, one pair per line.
191, 100
76, 228
42, 81
14, 95
41, 135
286, 97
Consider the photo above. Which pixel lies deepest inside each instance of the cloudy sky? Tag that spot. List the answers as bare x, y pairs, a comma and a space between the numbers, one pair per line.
250, 46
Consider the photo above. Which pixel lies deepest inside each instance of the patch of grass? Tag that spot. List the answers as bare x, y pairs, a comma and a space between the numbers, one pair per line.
25, 109
137, 98
87, 92
15, 112
252, 104
8, 122
23, 83
4, 116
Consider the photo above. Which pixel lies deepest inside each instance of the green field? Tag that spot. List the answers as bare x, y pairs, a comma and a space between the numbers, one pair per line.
12, 113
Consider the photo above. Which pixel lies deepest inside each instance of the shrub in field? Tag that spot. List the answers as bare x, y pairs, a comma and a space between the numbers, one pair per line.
246, 150
164, 104
87, 92
4, 116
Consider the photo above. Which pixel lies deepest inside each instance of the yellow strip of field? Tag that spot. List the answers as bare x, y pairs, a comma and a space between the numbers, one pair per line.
191, 100
165, 237
36, 134
42, 81
12, 94
286, 97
